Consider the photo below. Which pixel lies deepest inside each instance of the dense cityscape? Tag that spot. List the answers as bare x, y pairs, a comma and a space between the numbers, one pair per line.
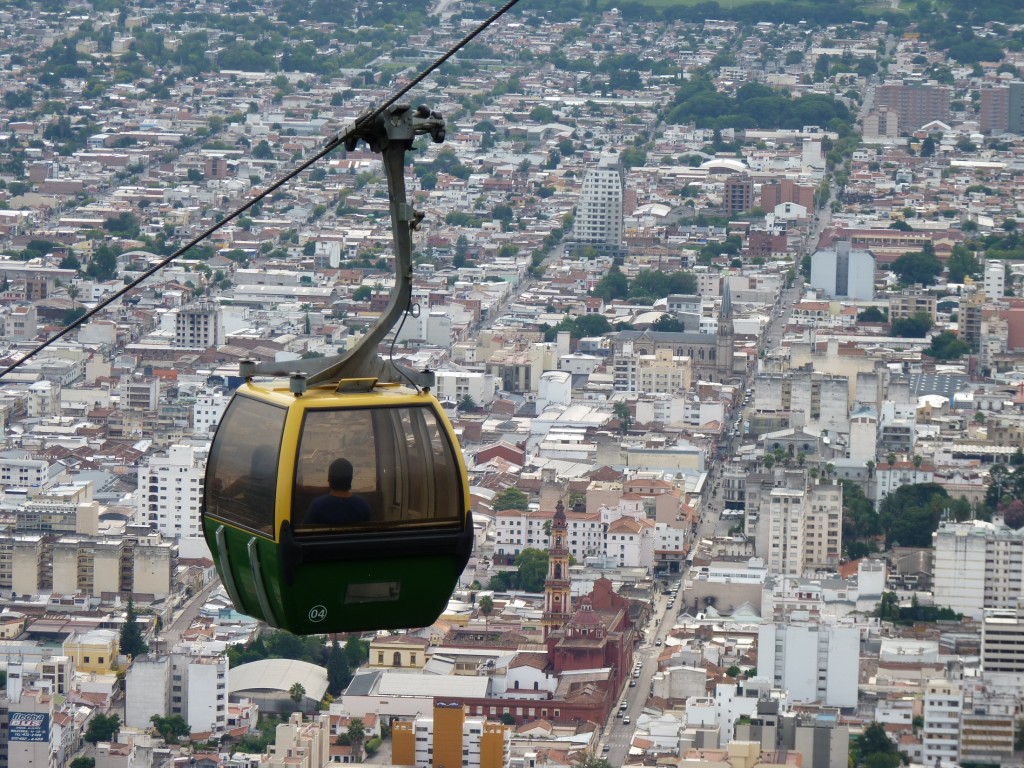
724, 303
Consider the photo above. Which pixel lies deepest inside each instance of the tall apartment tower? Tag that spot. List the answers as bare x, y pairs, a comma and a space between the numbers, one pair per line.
813, 662
916, 104
194, 686
1002, 109
739, 194
978, 565
169, 494
199, 326
843, 272
449, 738
995, 280
599, 214
803, 527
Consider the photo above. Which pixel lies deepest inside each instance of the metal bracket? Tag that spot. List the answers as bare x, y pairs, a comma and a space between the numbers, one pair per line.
391, 133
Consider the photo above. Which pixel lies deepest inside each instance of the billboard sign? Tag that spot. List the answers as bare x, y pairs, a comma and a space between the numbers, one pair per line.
28, 726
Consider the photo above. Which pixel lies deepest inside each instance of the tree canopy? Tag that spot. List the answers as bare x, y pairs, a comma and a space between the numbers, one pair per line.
132, 642
917, 267
753, 106
529, 576
947, 346
510, 498
102, 728
915, 327
171, 728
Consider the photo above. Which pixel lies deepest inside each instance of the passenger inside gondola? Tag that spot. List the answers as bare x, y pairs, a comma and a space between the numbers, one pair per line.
339, 506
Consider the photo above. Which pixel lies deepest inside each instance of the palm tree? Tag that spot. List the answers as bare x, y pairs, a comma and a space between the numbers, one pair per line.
356, 734
871, 468
296, 692
918, 461
890, 458
486, 608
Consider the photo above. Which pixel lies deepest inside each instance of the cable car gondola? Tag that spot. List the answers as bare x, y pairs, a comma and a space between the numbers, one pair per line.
396, 563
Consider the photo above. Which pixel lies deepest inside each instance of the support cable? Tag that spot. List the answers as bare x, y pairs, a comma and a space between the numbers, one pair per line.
352, 132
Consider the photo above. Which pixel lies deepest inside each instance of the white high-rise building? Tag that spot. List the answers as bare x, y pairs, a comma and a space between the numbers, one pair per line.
804, 529
940, 737
812, 662
194, 686
995, 280
844, 272
199, 326
170, 492
207, 412
599, 214
978, 565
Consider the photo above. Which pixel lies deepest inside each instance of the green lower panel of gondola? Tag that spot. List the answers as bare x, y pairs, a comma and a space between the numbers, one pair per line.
344, 594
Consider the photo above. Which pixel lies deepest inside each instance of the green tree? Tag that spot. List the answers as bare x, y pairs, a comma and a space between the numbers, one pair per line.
356, 651
296, 692
124, 224
590, 760
962, 263
946, 346
262, 151
872, 315
132, 642
915, 327
542, 114
103, 264
339, 674
83, 762
533, 569
468, 404
623, 416
172, 728
486, 608
102, 728
356, 734
668, 323
612, 286
510, 498
874, 749
918, 267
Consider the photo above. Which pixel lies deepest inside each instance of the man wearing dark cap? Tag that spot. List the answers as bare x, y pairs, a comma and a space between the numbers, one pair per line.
340, 506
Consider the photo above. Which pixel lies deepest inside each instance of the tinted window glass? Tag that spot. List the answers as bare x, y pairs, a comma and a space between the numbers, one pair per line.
403, 464
241, 474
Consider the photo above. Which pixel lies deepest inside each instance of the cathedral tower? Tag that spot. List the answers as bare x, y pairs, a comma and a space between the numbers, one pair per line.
557, 599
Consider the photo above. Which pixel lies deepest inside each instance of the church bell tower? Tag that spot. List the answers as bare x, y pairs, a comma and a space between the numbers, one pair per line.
557, 599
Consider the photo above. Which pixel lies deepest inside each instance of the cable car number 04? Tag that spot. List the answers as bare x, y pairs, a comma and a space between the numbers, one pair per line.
317, 613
